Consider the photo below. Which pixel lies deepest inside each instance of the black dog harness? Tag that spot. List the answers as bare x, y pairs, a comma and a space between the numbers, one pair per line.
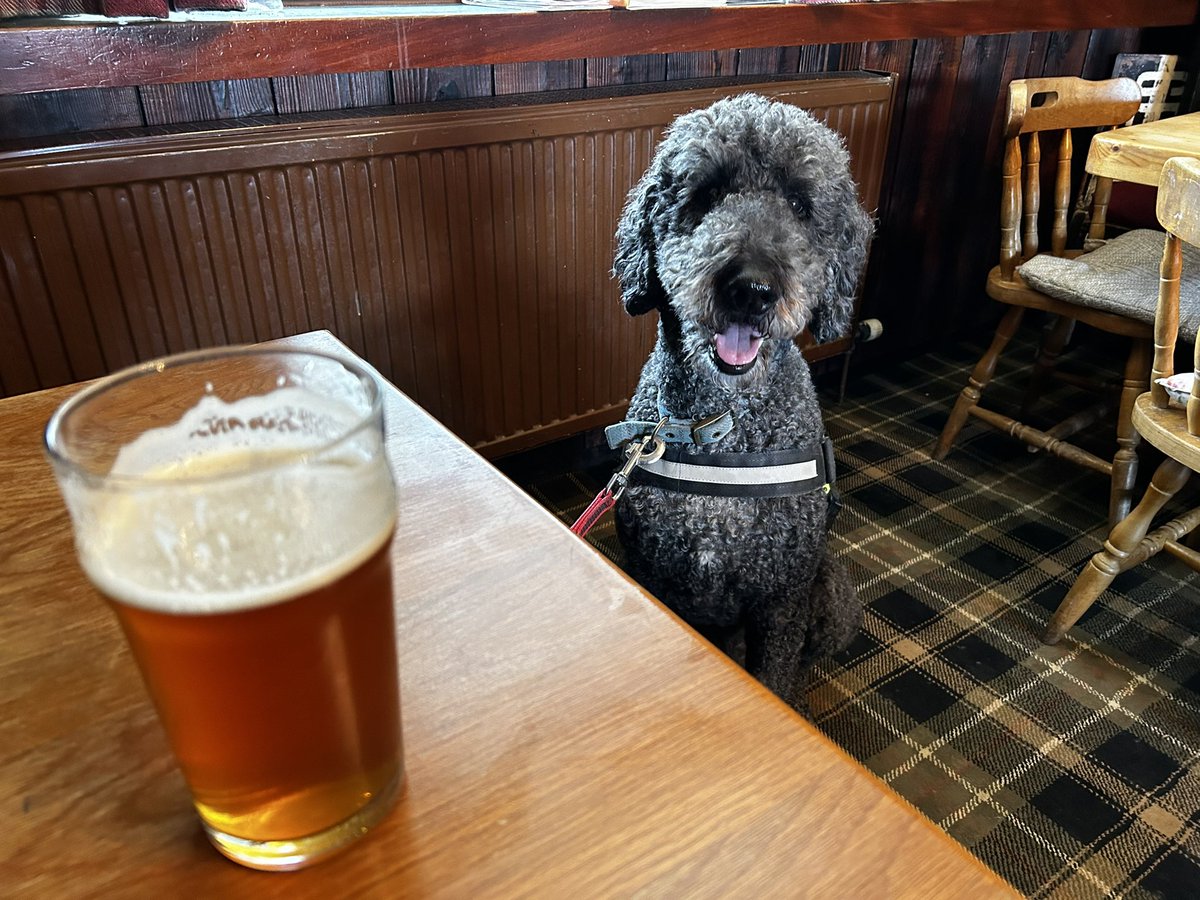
654, 455
750, 473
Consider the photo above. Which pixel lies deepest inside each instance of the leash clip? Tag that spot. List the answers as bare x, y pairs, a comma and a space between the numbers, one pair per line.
649, 448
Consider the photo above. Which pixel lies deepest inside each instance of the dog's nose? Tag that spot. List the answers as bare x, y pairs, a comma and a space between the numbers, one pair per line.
747, 294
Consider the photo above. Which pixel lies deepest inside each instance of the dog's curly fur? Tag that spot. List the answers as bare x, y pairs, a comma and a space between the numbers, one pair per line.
747, 217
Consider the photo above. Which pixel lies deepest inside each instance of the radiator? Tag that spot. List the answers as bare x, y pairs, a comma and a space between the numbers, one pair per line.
466, 253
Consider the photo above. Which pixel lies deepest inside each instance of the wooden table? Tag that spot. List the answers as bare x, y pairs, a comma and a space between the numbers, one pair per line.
565, 734
1137, 153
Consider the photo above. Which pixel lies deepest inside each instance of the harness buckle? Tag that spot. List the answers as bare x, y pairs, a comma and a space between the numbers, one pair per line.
705, 431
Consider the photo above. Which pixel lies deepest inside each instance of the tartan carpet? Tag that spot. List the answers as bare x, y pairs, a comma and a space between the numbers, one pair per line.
1072, 771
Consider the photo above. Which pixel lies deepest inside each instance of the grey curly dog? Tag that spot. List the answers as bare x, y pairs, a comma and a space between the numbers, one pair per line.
745, 228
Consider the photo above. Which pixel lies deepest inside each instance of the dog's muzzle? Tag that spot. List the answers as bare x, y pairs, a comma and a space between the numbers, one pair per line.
745, 297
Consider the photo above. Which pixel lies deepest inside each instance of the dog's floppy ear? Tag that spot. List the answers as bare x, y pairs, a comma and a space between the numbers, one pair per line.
634, 264
831, 318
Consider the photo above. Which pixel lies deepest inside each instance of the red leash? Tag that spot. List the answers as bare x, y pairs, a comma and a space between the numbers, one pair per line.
635, 452
604, 501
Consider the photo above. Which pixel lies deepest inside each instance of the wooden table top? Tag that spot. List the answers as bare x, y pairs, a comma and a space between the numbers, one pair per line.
1137, 153
564, 733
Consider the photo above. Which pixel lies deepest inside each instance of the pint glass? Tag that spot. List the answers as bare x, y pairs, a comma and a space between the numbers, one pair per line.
235, 508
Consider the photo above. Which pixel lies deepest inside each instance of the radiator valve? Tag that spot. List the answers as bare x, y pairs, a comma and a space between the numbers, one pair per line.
869, 329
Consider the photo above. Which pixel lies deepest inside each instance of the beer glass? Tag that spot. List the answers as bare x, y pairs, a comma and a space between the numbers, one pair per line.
235, 508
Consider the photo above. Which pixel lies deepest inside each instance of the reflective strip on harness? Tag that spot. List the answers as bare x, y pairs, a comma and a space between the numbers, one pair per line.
801, 471
764, 473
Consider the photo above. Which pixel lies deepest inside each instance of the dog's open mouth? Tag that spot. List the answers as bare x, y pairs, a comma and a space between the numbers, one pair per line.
735, 350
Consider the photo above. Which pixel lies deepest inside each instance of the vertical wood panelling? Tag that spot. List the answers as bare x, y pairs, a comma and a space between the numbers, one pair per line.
416, 286
478, 277
191, 242
311, 93
206, 101
18, 344
31, 297
528, 78
605, 211
917, 192
335, 215
98, 278
433, 222
486, 224
979, 74
151, 327
847, 57
459, 295
281, 246
317, 296
528, 277
701, 64
561, 218
508, 282
64, 112
385, 210
224, 250
248, 224
610, 70
449, 83
586, 243
1066, 51
543, 323
57, 287
937, 141
368, 267
769, 60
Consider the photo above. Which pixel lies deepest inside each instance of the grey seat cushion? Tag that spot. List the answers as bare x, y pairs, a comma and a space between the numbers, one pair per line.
1120, 277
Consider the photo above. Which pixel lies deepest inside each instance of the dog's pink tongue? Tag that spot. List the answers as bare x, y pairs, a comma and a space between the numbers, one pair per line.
738, 344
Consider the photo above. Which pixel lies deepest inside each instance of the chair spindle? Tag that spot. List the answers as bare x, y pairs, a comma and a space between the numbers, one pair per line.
1010, 208
1166, 319
1032, 197
1062, 195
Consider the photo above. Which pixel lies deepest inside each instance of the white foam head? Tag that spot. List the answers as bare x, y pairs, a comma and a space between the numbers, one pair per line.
236, 505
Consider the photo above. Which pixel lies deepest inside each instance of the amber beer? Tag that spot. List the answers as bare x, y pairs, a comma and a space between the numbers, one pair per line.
244, 546
284, 716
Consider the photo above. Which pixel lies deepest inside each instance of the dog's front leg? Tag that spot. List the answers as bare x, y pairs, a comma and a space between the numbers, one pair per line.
775, 644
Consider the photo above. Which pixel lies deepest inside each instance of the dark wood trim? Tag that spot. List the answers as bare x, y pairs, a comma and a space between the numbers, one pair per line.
56, 54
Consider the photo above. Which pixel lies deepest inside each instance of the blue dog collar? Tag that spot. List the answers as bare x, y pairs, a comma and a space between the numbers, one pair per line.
673, 431
762, 473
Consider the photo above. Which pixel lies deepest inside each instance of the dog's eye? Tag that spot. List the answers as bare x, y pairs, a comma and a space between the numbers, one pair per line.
798, 201
700, 201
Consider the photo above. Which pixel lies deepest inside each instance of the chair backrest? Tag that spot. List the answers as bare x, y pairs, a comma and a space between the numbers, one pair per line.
1179, 214
1036, 105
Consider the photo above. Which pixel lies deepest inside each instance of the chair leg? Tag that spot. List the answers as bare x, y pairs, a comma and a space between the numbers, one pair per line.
1047, 359
982, 374
1125, 462
1106, 565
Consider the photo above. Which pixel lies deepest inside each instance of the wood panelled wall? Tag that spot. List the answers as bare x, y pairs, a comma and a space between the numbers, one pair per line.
937, 233
463, 252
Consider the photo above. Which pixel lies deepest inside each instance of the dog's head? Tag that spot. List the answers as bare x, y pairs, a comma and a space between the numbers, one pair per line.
747, 228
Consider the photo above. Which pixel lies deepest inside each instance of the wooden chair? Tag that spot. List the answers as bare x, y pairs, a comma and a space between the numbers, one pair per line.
1037, 106
1173, 431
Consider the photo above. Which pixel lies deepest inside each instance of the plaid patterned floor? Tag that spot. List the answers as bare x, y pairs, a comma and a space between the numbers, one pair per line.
1072, 771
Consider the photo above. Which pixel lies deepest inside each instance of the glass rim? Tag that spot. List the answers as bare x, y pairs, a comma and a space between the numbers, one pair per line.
51, 436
